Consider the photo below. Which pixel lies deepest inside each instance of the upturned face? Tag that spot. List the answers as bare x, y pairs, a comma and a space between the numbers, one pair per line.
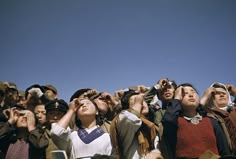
221, 97
22, 118
102, 104
50, 94
190, 98
86, 108
168, 93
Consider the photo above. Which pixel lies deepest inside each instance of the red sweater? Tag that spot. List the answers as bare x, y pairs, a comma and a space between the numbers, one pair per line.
194, 140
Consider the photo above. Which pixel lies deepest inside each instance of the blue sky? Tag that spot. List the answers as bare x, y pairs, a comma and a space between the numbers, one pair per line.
109, 45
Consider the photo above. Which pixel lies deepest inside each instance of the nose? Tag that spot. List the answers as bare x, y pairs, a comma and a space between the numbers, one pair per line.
190, 94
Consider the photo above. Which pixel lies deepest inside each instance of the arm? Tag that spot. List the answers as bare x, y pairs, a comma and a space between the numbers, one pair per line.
170, 128
150, 94
38, 138
7, 129
207, 96
128, 124
65, 120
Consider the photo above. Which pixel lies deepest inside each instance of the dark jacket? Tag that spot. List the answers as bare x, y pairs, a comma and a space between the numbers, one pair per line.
36, 139
170, 124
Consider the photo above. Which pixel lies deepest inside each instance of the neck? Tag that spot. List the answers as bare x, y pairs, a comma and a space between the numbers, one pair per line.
88, 123
189, 114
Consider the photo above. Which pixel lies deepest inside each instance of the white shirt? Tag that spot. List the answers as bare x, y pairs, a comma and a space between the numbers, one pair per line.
68, 140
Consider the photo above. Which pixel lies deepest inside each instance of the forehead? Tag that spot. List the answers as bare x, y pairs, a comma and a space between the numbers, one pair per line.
49, 90
188, 88
40, 106
84, 100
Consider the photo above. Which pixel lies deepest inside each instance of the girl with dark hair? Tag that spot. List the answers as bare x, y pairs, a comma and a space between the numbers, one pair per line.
133, 134
188, 132
89, 139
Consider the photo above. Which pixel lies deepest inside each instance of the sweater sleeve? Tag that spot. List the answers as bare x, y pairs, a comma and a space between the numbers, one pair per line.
172, 113
222, 144
170, 128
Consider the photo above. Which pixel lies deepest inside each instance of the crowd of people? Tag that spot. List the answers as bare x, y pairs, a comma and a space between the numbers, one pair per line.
166, 121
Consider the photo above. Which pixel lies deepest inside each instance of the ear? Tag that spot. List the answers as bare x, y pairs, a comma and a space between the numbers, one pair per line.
96, 113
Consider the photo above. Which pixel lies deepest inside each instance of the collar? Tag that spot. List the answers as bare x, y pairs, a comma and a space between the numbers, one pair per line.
194, 120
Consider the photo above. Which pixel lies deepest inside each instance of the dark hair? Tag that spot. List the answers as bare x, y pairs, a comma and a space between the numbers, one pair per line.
173, 83
33, 86
79, 93
33, 101
99, 117
125, 99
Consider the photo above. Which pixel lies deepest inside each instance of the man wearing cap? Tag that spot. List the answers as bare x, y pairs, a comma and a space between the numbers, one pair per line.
50, 91
55, 110
11, 95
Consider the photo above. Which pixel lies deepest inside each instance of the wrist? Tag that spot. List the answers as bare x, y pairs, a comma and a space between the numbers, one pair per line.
157, 87
11, 122
31, 128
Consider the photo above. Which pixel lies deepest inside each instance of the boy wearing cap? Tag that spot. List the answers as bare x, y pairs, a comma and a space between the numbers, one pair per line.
55, 110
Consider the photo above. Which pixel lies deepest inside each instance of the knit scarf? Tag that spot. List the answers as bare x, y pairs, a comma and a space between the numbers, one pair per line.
146, 136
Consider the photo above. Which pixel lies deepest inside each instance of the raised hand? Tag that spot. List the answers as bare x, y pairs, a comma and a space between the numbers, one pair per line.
74, 104
13, 114
119, 94
136, 102
30, 119
209, 92
179, 93
162, 84
231, 89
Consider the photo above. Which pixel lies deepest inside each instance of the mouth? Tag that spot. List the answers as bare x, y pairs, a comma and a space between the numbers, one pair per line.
191, 100
167, 94
84, 109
